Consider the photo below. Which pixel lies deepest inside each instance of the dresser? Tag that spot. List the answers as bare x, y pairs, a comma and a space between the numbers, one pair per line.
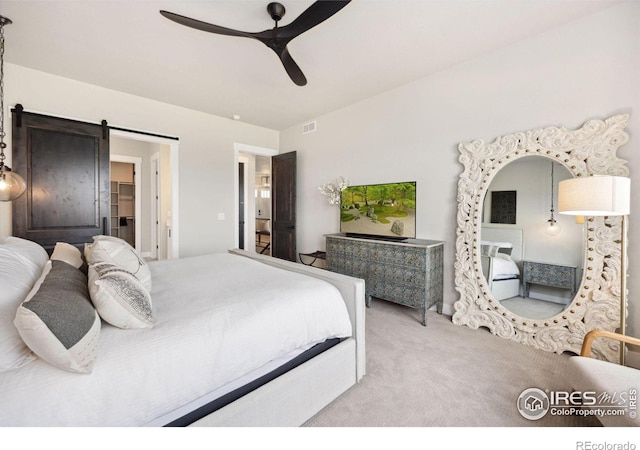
408, 272
546, 274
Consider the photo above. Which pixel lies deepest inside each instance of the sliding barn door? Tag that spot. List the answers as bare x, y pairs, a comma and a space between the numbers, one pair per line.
283, 207
66, 167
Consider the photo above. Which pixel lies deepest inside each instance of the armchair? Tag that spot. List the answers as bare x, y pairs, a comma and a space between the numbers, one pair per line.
614, 384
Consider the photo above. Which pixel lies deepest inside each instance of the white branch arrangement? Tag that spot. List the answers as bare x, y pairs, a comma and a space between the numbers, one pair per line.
332, 190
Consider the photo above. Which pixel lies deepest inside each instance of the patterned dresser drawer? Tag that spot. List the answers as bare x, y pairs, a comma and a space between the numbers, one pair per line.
399, 256
408, 272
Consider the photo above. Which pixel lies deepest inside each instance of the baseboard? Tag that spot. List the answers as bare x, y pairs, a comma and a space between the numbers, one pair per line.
447, 310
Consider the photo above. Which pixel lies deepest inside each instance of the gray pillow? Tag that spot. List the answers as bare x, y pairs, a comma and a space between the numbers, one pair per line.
58, 322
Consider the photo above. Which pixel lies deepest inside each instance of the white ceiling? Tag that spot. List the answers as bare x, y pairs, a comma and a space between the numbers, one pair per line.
368, 47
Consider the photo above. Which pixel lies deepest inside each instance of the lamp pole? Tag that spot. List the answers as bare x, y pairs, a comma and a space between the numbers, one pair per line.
623, 285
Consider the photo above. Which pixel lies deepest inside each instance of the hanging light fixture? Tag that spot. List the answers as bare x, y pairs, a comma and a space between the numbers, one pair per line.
552, 228
12, 185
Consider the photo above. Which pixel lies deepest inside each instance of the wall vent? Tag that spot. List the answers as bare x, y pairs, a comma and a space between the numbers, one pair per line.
309, 127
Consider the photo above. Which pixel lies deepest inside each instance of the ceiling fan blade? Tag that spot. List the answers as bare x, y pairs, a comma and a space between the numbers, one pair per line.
204, 26
291, 67
315, 14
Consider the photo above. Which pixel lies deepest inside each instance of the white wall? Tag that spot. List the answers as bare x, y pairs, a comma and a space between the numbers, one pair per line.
587, 69
206, 153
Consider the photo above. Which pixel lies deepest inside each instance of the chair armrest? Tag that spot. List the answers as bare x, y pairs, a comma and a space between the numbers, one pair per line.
593, 334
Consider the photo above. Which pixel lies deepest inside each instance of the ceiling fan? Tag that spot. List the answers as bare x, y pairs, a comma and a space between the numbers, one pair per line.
276, 38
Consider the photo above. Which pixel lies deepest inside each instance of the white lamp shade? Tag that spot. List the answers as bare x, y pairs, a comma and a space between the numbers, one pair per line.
595, 196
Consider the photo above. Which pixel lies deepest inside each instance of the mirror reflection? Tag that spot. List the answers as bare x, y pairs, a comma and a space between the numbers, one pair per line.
531, 256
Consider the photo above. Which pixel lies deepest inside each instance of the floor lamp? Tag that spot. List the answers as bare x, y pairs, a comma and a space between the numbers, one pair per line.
601, 195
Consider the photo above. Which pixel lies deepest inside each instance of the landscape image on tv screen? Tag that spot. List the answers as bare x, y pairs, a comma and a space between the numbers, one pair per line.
387, 210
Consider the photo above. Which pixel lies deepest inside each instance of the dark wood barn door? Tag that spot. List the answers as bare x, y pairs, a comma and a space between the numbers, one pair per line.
283, 207
66, 167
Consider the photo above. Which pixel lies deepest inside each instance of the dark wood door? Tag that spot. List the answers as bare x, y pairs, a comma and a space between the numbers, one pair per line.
283, 206
66, 167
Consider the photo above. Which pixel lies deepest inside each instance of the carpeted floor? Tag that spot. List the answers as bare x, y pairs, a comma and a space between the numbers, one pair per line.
444, 375
532, 308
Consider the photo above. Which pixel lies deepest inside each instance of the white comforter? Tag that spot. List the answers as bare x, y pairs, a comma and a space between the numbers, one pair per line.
504, 268
217, 317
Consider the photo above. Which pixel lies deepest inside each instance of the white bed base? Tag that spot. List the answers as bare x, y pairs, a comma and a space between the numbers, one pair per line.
298, 395
501, 289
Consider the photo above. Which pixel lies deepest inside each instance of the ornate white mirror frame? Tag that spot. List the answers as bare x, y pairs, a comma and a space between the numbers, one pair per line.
589, 150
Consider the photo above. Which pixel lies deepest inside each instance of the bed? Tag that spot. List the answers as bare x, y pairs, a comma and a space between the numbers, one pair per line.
229, 339
501, 256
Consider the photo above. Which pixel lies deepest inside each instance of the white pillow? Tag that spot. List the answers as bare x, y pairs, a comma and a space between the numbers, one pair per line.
67, 253
503, 256
57, 320
21, 264
119, 297
490, 248
113, 250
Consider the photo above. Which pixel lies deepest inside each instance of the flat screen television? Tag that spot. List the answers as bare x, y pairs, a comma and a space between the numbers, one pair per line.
386, 211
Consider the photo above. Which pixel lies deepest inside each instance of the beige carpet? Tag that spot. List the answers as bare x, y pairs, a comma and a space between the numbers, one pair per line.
444, 375
532, 308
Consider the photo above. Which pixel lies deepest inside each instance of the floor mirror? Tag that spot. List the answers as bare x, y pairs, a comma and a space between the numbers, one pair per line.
521, 271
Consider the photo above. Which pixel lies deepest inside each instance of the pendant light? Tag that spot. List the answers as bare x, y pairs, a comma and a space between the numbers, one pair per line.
552, 228
12, 185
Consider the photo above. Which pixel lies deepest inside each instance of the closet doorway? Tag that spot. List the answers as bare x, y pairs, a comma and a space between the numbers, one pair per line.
126, 198
156, 199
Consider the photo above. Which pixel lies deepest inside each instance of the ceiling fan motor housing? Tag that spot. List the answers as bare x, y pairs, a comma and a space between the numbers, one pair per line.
276, 10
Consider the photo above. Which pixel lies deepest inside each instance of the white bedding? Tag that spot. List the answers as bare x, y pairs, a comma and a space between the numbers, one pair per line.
504, 268
217, 317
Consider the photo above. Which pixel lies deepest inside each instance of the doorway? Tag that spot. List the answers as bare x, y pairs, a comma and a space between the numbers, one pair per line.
253, 159
156, 197
262, 208
125, 198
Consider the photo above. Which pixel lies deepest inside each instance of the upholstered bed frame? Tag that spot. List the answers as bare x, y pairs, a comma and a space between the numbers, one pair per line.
295, 397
